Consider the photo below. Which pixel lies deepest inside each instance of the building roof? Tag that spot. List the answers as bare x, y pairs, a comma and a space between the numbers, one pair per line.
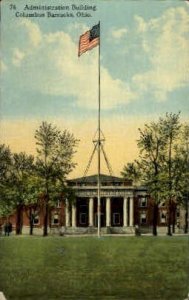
107, 179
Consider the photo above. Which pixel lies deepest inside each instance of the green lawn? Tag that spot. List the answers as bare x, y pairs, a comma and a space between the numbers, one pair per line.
90, 268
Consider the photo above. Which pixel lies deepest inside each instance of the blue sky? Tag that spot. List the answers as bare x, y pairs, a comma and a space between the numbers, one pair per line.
144, 71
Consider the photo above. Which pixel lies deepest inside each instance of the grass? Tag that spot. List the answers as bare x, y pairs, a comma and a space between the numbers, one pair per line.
131, 268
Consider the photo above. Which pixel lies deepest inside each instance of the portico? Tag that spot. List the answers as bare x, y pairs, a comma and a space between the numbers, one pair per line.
117, 203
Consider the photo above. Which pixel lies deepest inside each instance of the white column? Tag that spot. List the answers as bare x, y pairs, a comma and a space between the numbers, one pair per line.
67, 214
73, 215
91, 212
125, 212
131, 211
108, 212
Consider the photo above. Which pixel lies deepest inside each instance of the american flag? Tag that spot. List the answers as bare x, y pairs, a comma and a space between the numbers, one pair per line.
89, 39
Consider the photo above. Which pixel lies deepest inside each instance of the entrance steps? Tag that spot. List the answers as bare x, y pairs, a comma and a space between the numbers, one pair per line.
76, 230
122, 230
93, 230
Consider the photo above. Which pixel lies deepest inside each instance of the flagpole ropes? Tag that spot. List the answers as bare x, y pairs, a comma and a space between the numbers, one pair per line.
99, 140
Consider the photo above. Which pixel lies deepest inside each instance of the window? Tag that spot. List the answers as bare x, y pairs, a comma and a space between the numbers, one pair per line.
143, 202
83, 218
36, 220
143, 219
116, 218
163, 217
58, 204
55, 219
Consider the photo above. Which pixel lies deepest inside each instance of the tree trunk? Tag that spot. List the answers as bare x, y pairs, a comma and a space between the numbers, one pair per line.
174, 217
170, 187
31, 221
155, 219
46, 217
169, 219
19, 219
31, 227
186, 218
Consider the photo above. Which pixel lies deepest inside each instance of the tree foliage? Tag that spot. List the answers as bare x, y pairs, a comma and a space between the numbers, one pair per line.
54, 162
132, 171
36, 183
162, 163
5, 186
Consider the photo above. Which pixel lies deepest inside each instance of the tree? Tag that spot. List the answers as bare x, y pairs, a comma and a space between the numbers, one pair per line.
15, 170
19, 186
152, 152
132, 171
148, 168
22, 169
6, 206
163, 165
181, 163
185, 185
33, 203
170, 126
55, 151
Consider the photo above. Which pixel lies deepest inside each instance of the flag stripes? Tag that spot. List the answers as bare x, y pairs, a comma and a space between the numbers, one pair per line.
87, 43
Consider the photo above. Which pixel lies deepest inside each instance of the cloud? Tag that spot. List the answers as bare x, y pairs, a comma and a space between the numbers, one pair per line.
119, 33
33, 32
49, 64
140, 23
115, 92
18, 56
165, 41
3, 66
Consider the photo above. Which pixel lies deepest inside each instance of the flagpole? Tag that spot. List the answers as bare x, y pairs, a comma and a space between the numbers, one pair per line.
99, 140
